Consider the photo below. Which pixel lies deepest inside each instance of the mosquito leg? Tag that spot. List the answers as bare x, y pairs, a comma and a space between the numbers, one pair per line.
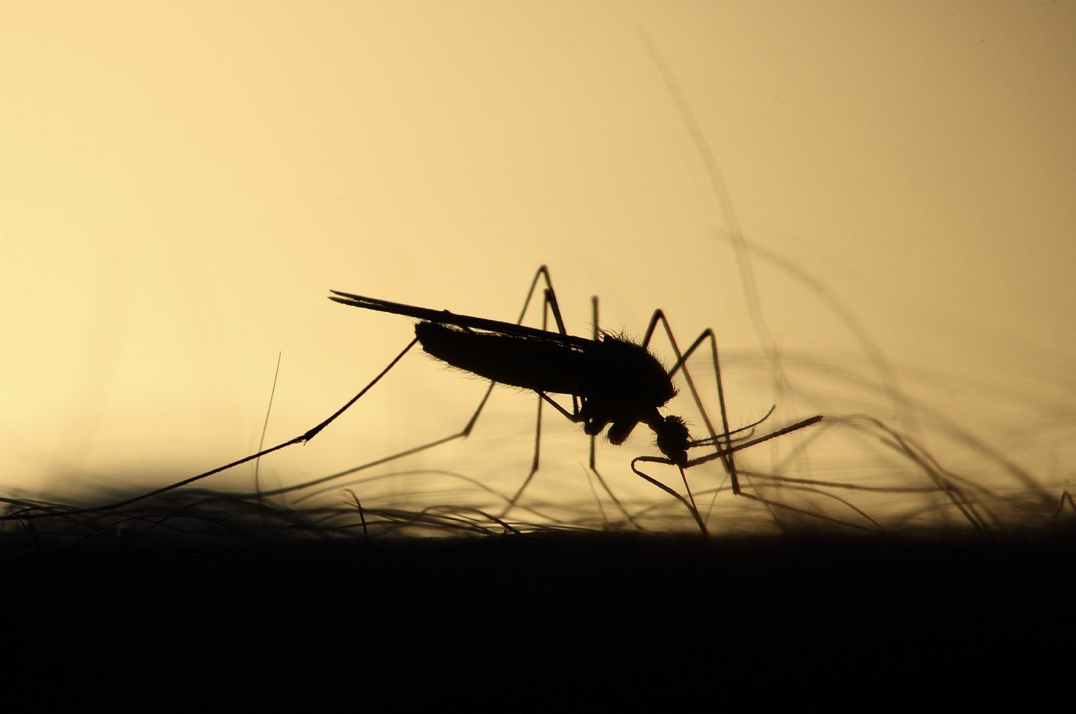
595, 335
552, 307
689, 504
549, 306
548, 301
301, 439
722, 438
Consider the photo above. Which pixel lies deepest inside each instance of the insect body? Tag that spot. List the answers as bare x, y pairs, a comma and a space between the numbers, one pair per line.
617, 383
614, 383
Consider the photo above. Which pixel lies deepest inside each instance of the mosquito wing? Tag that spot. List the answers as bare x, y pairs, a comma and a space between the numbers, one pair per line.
444, 317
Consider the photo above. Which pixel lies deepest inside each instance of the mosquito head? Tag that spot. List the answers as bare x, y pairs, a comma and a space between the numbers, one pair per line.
672, 438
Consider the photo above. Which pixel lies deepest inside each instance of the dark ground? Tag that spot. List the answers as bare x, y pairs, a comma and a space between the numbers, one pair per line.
581, 620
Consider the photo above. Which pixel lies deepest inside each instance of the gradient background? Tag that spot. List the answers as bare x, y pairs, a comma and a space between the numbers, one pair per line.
183, 183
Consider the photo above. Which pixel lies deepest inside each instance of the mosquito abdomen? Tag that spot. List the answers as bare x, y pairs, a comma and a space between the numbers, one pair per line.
536, 364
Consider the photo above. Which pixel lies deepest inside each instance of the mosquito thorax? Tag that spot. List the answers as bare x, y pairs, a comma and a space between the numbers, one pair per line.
625, 372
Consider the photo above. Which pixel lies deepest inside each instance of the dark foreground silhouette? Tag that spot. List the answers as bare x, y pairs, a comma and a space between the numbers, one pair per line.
582, 620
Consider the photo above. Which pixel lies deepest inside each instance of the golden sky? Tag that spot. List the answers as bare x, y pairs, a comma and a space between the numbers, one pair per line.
182, 183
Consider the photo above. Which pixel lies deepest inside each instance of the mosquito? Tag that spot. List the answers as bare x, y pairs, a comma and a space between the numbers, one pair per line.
613, 382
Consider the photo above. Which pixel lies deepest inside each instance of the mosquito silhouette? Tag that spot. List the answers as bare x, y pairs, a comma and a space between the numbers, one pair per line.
612, 381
